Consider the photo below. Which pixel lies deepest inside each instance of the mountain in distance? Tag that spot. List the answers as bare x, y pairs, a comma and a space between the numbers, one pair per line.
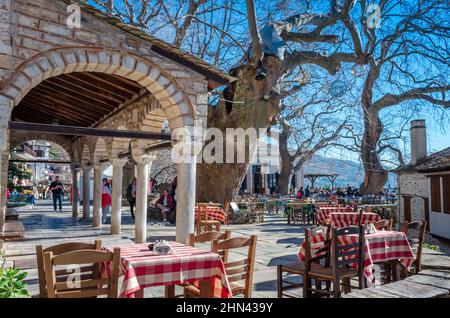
350, 172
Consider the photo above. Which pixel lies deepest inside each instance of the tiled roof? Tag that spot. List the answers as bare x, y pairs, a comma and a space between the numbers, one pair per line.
161, 47
438, 161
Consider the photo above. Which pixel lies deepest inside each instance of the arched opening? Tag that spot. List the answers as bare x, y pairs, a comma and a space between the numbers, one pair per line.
33, 165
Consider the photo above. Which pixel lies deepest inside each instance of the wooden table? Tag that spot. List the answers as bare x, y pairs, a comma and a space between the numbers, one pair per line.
142, 268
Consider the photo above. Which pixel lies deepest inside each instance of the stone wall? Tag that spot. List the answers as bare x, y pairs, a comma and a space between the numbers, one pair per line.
415, 185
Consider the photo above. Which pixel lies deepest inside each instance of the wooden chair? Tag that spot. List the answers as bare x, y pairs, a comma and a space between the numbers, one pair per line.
203, 222
237, 271
78, 287
342, 255
209, 237
89, 271
302, 268
384, 225
415, 231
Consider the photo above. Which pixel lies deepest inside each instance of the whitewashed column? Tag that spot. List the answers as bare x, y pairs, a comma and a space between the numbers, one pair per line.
86, 191
98, 189
75, 190
143, 168
186, 184
116, 204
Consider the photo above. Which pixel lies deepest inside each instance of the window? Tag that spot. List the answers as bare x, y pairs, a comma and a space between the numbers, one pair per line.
446, 193
435, 183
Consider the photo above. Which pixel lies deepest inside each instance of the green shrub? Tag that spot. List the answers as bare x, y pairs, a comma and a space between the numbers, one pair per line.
11, 280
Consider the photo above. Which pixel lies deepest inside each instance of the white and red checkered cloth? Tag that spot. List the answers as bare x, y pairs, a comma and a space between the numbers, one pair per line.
346, 219
381, 246
213, 213
323, 212
142, 268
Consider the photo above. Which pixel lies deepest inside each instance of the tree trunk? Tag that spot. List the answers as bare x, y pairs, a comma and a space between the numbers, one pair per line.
375, 175
249, 104
284, 179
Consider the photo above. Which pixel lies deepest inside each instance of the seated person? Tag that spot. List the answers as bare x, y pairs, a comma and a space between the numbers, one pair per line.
165, 204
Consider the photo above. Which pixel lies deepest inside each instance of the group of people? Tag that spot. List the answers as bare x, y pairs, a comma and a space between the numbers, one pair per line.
303, 193
166, 203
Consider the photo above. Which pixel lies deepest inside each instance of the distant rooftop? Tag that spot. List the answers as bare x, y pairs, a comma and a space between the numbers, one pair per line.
438, 161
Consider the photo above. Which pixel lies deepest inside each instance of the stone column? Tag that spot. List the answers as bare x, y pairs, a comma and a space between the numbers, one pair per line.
116, 212
186, 183
86, 191
98, 189
186, 173
143, 168
75, 190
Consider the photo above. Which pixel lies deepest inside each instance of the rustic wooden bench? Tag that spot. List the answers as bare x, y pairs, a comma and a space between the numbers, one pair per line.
12, 230
425, 284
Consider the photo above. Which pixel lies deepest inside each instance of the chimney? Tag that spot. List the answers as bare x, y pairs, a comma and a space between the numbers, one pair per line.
418, 141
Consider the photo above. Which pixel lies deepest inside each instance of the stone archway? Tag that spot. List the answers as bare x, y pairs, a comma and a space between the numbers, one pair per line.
174, 102
65, 143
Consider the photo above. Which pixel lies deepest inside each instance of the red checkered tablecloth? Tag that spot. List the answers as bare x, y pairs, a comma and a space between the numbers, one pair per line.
213, 212
381, 246
345, 219
142, 268
323, 213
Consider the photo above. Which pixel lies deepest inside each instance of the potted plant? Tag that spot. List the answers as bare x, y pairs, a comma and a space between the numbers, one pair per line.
11, 280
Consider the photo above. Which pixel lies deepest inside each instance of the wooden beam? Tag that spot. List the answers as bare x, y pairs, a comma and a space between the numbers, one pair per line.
113, 82
94, 83
42, 161
91, 89
85, 131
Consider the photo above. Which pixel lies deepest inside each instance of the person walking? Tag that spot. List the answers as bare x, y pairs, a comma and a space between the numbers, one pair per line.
131, 196
307, 192
57, 189
106, 199
300, 193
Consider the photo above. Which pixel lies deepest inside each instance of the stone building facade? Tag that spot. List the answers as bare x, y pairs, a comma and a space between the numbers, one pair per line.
37, 44
424, 184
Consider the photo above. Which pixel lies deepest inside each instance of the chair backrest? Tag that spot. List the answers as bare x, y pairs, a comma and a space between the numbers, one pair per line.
75, 286
207, 237
240, 270
347, 247
415, 232
210, 237
384, 224
89, 271
314, 254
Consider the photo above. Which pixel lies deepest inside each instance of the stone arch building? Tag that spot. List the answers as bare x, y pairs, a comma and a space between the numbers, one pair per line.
104, 75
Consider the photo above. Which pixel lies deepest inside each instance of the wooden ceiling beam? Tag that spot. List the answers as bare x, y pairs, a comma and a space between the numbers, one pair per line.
75, 96
55, 112
102, 85
67, 102
113, 82
88, 131
84, 93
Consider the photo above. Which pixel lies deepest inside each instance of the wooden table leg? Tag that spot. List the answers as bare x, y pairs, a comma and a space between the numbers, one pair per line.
169, 291
395, 270
347, 282
206, 290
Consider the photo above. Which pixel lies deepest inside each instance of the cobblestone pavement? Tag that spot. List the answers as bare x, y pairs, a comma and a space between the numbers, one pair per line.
277, 243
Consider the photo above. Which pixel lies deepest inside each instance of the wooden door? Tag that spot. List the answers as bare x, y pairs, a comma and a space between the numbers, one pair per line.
407, 208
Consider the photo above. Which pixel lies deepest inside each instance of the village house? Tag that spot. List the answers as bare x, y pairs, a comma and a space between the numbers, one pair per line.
424, 184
